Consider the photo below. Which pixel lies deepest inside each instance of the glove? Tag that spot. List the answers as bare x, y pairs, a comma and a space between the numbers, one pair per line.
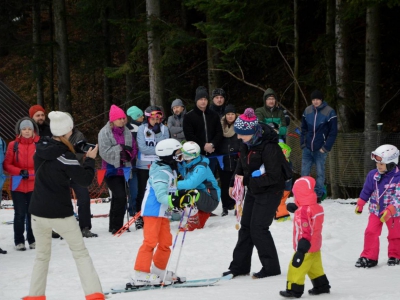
302, 248
291, 207
156, 128
125, 156
359, 206
24, 174
388, 213
183, 198
126, 148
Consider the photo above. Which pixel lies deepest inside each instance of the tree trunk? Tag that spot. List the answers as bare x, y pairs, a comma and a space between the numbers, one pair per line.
51, 57
128, 47
61, 37
154, 52
296, 109
342, 71
372, 77
38, 66
107, 88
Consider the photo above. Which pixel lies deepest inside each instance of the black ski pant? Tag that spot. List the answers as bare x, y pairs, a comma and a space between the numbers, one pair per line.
258, 213
83, 197
225, 179
117, 186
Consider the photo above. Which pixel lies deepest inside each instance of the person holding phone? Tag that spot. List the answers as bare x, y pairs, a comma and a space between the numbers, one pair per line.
51, 207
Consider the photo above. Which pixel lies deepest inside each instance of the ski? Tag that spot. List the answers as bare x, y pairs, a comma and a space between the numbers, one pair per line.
187, 284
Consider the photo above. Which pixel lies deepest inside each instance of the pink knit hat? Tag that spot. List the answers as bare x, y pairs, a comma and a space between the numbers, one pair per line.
116, 113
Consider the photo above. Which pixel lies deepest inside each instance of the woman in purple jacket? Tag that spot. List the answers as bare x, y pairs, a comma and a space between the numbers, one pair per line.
382, 189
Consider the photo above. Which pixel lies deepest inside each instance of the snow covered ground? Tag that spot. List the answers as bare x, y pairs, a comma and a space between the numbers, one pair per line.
206, 253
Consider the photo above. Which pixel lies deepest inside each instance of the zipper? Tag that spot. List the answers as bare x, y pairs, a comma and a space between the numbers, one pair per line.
315, 121
205, 126
248, 157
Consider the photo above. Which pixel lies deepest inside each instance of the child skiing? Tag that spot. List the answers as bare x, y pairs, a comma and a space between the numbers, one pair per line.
156, 231
382, 189
307, 240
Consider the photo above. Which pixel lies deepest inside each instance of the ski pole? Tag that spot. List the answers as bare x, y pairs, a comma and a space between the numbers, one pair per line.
184, 234
173, 246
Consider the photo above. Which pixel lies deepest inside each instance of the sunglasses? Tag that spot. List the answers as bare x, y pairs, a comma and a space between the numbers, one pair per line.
154, 114
375, 157
178, 157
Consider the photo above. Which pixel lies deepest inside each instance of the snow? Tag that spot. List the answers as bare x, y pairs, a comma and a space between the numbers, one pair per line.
206, 253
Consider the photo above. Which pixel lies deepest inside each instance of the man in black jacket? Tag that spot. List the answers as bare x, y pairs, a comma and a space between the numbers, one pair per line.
202, 126
38, 114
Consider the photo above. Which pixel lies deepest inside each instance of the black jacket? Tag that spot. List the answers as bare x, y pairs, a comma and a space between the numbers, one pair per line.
55, 165
200, 131
268, 153
44, 130
230, 149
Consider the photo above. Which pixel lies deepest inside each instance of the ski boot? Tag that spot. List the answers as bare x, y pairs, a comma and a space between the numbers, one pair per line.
140, 279
364, 262
169, 275
393, 261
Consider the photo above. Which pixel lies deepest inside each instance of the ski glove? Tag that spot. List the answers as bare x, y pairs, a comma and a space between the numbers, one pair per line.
302, 248
125, 156
24, 174
156, 128
359, 206
291, 207
183, 198
388, 213
126, 148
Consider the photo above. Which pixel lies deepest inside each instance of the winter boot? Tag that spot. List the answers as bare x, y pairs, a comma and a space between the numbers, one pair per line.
32, 246
139, 223
295, 291
95, 296
34, 298
393, 261
142, 278
87, 233
364, 262
3, 251
20, 247
320, 286
169, 276
229, 272
262, 274
282, 210
224, 212
203, 217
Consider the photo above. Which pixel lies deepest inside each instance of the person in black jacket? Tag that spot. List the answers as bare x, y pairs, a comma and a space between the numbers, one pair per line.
229, 149
202, 126
259, 148
51, 206
38, 114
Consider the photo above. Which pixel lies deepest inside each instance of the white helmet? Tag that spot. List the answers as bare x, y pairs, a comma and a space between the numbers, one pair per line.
190, 150
386, 154
167, 147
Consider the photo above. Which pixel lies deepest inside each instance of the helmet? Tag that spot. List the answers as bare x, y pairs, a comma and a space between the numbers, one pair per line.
386, 154
190, 150
167, 147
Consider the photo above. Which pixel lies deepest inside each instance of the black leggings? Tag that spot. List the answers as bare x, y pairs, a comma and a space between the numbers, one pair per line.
118, 201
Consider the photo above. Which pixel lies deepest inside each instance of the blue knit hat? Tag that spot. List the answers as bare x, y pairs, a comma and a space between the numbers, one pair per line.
134, 112
247, 123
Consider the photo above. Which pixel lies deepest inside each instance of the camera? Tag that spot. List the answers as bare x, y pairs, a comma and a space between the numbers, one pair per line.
83, 146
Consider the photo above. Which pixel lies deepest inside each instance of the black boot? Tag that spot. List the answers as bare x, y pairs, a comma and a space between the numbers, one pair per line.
320, 286
3, 251
295, 292
364, 262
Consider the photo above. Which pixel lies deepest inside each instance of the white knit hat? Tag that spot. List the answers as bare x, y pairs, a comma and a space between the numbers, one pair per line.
60, 123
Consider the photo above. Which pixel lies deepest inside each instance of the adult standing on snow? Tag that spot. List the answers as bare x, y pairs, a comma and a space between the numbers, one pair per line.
175, 122
382, 189
218, 98
259, 147
51, 207
318, 134
19, 162
38, 114
2, 177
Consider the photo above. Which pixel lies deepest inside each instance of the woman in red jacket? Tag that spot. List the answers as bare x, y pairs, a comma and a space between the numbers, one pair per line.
19, 162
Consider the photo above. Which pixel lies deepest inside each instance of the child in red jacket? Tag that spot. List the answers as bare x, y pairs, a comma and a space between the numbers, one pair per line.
307, 240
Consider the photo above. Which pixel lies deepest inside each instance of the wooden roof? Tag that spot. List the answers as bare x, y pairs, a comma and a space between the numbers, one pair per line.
12, 108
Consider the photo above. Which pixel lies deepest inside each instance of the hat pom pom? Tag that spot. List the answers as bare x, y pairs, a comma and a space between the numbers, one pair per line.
249, 113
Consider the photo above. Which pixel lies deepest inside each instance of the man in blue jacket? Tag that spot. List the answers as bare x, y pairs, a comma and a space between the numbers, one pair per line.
318, 134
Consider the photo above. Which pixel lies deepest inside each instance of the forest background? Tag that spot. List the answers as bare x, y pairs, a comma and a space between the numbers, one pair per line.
82, 56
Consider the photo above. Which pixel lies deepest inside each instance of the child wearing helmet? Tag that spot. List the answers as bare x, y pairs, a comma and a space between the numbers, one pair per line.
382, 189
150, 267
197, 175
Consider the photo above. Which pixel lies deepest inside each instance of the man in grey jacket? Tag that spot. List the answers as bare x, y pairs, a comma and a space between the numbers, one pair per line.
175, 122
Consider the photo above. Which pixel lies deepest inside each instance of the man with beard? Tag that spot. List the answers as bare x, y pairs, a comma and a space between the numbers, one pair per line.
38, 114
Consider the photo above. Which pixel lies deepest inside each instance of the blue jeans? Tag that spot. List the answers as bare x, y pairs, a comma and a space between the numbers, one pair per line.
314, 157
133, 190
21, 204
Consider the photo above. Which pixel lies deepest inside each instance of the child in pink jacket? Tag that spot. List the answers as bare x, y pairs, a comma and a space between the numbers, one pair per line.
307, 240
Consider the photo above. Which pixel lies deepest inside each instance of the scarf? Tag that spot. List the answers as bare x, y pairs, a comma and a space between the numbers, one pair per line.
227, 129
256, 138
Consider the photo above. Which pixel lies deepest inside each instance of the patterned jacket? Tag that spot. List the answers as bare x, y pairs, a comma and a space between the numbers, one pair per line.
382, 190
309, 216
